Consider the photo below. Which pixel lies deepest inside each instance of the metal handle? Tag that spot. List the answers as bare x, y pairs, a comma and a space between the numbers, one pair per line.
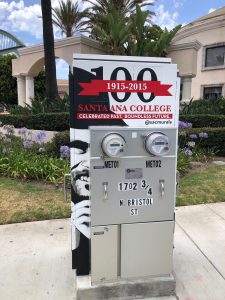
177, 182
66, 186
162, 187
105, 185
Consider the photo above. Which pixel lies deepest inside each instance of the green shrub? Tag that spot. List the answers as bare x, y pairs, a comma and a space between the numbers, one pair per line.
41, 106
8, 85
199, 121
183, 162
29, 165
20, 157
201, 106
45, 121
203, 154
59, 139
39, 84
215, 141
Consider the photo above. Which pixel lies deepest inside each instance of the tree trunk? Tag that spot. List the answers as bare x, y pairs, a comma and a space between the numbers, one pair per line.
48, 39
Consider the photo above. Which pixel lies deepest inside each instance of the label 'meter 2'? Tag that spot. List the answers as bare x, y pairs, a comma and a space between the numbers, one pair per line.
153, 163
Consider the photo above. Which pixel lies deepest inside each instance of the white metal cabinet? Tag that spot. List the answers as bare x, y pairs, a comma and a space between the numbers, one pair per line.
104, 253
146, 249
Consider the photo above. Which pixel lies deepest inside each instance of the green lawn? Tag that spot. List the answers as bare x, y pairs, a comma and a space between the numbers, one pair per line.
202, 186
21, 202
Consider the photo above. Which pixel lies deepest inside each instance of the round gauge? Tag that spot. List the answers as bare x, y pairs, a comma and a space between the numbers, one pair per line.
113, 145
157, 143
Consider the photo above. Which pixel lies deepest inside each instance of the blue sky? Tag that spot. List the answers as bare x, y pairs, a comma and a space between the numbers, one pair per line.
185, 11
22, 17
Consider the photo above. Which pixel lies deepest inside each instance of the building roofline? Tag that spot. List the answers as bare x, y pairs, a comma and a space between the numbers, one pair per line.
63, 42
196, 45
15, 39
216, 13
187, 31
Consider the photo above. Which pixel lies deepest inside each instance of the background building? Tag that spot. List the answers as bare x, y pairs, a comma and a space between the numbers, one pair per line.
9, 44
63, 87
31, 62
199, 50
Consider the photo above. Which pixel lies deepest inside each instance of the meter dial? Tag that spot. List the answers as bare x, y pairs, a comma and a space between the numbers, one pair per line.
157, 143
113, 145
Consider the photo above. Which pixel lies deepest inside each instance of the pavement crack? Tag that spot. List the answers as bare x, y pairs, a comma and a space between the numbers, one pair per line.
196, 245
215, 212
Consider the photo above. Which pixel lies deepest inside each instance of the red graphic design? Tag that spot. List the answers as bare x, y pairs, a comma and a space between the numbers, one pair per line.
124, 86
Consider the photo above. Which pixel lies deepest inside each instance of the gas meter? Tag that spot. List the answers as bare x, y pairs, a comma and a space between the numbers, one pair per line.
113, 145
157, 144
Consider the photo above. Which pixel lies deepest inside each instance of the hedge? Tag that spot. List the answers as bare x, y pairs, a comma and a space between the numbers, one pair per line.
215, 140
199, 121
60, 122
49, 121
204, 106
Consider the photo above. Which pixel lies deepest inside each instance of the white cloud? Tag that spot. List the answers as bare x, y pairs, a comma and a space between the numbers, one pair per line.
177, 3
15, 16
18, 17
211, 10
62, 69
27, 19
164, 18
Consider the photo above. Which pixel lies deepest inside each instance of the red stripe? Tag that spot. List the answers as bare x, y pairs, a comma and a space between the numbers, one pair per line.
95, 87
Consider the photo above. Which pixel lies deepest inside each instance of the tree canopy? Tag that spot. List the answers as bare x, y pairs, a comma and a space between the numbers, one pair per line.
124, 27
125, 8
131, 35
67, 17
8, 85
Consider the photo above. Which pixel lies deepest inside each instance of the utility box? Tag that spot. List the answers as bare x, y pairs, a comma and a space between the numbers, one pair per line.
132, 175
124, 128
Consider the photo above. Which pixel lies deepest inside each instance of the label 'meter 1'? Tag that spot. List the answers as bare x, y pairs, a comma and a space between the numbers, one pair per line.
110, 164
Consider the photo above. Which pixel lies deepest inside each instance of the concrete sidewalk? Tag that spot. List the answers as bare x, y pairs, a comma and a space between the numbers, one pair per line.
35, 259
199, 254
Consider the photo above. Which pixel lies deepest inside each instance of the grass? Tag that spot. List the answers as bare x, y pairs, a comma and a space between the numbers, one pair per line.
203, 186
23, 202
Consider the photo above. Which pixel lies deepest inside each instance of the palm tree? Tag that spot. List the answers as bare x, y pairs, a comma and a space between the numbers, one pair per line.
104, 7
140, 22
159, 45
49, 51
125, 7
67, 17
113, 31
